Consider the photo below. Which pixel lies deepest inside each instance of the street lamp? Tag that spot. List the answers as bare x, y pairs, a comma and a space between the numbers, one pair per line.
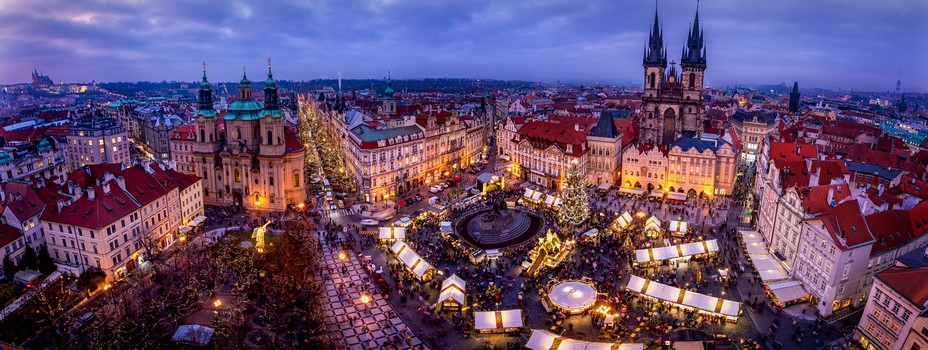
365, 299
342, 256
217, 303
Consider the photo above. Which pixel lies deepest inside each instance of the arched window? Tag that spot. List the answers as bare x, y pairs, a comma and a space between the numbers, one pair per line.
238, 133
692, 80
270, 180
651, 80
238, 176
202, 135
296, 178
257, 198
269, 137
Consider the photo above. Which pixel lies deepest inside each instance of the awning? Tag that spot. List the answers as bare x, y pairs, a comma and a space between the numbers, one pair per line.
788, 291
549, 199
184, 229
545, 340
632, 190
604, 186
677, 196
528, 193
591, 232
652, 224
410, 258
452, 288
768, 268
536, 196
678, 296
676, 251
392, 233
624, 220
657, 194
445, 226
484, 320
404, 221
678, 226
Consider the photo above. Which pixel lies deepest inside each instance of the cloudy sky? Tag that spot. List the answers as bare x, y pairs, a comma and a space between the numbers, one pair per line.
821, 43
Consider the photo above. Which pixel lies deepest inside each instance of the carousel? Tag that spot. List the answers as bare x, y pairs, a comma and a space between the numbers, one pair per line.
571, 297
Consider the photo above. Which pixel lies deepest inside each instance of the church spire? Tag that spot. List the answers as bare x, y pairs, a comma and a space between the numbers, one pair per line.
205, 96
694, 53
271, 101
655, 53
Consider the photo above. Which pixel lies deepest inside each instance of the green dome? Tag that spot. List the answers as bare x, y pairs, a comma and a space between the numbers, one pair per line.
388, 91
244, 81
204, 84
5, 157
247, 109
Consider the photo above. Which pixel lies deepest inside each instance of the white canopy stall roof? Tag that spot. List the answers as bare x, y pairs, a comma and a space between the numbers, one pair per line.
544, 340
497, 319
603, 186
536, 196
453, 287
632, 190
768, 268
677, 251
549, 199
677, 196
787, 291
682, 297
392, 233
657, 194
409, 258
572, 295
653, 223
678, 226
445, 226
591, 232
624, 220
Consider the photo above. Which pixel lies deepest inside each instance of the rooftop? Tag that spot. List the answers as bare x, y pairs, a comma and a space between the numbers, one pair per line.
908, 282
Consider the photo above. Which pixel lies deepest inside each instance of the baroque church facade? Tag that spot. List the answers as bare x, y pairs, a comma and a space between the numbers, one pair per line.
249, 156
672, 102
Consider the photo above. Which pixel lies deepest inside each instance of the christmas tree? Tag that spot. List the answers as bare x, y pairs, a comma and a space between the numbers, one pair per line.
574, 207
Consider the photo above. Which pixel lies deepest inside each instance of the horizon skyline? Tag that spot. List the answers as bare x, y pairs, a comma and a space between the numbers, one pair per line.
160, 42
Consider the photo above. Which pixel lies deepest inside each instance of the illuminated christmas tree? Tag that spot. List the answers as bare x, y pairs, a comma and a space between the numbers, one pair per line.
574, 207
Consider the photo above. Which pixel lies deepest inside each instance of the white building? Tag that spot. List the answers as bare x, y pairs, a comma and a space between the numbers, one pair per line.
898, 297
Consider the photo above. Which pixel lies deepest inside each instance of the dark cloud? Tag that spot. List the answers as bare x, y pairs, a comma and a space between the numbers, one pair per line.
831, 43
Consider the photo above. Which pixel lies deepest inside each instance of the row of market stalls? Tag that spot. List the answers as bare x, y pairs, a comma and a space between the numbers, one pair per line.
545, 340
653, 256
653, 227
413, 262
536, 197
392, 233
193, 224
686, 299
777, 283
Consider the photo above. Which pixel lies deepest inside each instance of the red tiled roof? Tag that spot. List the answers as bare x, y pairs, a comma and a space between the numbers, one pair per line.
627, 128
783, 151
918, 188
184, 132
167, 181
22, 200
647, 147
908, 282
543, 134
815, 200
830, 169
142, 186
184, 180
292, 142
862, 153
793, 174
103, 211
8, 234
845, 220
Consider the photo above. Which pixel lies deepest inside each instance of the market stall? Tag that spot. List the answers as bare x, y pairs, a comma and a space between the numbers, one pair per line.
453, 294
502, 321
632, 191
571, 296
446, 227
685, 299
676, 196
403, 222
652, 227
545, 340
768, 268
678, 228
413, 262
391, 233
786, 293
650, 256
591, 233
622, 222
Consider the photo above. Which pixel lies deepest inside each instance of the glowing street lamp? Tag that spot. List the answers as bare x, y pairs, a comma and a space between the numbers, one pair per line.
365, 299
217, 303
342, 256
301, 205
640, 214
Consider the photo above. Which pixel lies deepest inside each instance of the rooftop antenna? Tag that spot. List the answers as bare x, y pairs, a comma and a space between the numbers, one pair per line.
339, 82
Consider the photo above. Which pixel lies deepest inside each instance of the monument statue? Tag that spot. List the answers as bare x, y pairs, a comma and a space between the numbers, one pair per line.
258, 235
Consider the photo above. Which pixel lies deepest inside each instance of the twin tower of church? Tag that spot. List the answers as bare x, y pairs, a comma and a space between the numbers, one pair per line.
671, 103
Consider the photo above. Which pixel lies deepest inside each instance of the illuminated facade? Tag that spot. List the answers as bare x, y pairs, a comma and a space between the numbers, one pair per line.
98, 140
696, 167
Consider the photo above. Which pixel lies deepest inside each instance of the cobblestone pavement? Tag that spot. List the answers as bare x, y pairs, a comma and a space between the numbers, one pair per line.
362, 325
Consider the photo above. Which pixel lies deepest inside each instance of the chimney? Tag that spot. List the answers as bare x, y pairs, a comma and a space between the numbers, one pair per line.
147, 167
879, 192
831, 197
107, 176
121, 182
172, 165
2, 195
91, 194
577, 127
61, 204
106, 187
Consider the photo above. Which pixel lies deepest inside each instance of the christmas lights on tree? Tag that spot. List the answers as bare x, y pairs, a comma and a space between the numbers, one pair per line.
574, 206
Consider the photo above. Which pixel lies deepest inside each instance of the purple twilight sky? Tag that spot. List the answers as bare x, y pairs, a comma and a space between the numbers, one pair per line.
821, 43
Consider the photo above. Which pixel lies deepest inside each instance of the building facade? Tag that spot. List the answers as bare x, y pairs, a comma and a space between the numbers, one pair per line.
693, 166
28, 161
672, 102
898, 297
256, 161
752, 129
542, 152
97, 140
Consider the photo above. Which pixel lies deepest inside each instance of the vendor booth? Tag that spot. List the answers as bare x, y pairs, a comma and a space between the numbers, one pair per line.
653, 256
392, 233
622, 222
786, 293
678, 197
502, 321
685, 299
678, 228
768, 268
652, 227
545, 340
413, 262
445, 227
452, 296
572, 297
591, 233
403, 222
487, 183
631, 191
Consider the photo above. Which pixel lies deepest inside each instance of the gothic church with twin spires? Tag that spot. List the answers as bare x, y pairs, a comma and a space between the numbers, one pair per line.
672, 100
